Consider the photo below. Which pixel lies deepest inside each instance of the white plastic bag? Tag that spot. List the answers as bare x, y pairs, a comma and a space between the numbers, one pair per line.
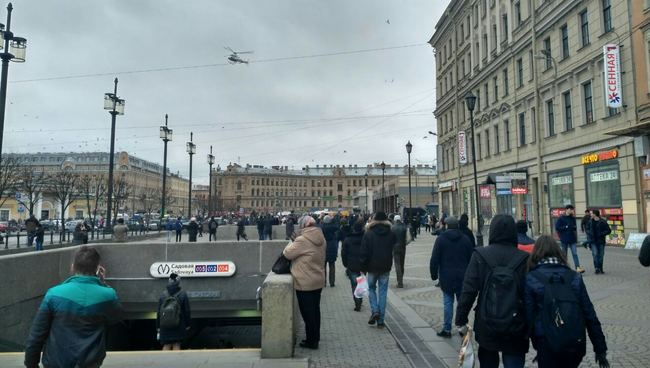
466, 358
362, 287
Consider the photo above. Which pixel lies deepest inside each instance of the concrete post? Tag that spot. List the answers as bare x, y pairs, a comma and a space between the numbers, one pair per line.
278, 317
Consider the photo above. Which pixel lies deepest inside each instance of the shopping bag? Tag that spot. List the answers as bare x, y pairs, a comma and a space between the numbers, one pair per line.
466, 358
362, 287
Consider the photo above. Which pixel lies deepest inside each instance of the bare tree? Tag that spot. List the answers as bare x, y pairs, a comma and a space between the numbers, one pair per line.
93, 190
9, 170
150, 201
201, 204
31, 184
101, 188
64, 186
169, 197
122, 191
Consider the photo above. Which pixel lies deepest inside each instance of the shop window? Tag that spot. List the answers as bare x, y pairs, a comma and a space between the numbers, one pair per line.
560, 189
603, 185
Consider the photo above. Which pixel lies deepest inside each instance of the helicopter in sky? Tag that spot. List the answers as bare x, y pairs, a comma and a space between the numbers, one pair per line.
234, 57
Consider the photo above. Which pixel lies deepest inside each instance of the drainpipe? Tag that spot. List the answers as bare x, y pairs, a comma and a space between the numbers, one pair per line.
540, 177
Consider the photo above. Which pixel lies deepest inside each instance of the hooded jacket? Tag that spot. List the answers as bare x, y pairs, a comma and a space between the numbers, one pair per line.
377, 247
462, 226
351, 251
644, 253
566, 227
503, 248
449, 259
70, 325
330, 233
307, 256
399, 229
169, 335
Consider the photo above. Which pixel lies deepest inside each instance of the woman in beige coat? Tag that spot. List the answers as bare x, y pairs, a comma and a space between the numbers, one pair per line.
307, 255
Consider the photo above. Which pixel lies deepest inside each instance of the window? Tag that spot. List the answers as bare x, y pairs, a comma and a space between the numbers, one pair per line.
607, 15
479, 148
584, 28
497, 142
506, 129
533, 125
603, 185
462, 31
518, 13
612, 111
496, 89
487, 143
505, 27
238, 199
568, 116
522, 129
468, 24
531, 66
478, 99
450, 50
560, 189
462, 63
340, 187
564, 35
239, 185
484, 8
520, 72
494, 37
547, 47
505, 82
485, 46
469, 60
551, 118
487, 98
589, 107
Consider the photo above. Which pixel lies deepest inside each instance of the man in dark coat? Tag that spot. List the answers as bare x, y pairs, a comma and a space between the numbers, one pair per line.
241, 230
212, 227
597, 230
331, 252
268, 227
289, 229
192, 229
449, 259
463, 226
30, 225
171, 338
399, 252
260, 228
377, 259
523, 241
566, 228
350, 252
503, 249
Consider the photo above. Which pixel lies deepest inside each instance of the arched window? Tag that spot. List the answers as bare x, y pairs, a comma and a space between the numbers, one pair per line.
239, 185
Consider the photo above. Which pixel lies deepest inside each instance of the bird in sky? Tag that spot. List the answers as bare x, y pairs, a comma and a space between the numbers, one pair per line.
388, 21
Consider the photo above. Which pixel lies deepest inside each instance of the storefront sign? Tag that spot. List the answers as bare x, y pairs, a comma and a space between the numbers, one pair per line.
600, 157
503, 192
193, 269
604, 176
521, 190
516, 175
612, 64
485, 192
561, 180
462, 147
448, 185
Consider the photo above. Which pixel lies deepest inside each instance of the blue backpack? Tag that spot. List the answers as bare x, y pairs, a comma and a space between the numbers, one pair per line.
179, 225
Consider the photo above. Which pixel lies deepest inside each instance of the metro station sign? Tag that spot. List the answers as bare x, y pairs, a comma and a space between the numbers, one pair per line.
193, 269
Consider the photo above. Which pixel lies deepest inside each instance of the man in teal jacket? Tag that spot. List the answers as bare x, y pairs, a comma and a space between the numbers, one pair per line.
70, 326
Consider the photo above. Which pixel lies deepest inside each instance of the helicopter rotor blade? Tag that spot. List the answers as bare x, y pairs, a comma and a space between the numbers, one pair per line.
229, 49
245, 52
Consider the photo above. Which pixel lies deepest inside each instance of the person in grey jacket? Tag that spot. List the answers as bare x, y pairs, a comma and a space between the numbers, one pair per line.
399, 251
79, 235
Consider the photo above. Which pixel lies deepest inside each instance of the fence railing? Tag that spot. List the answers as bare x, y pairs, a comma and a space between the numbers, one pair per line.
60, 237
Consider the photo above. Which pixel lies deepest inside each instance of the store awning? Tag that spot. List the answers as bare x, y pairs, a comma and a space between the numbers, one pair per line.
631, 131
491, 179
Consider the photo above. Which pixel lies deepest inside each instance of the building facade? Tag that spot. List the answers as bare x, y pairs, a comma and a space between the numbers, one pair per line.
277, 189
143, 180
395, 197
547, 88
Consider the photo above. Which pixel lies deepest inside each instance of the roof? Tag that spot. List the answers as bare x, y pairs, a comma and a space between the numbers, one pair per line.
371, 170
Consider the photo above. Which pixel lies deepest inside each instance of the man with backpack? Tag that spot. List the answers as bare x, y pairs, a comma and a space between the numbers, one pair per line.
597, 231
496, 275
212, 226
174, 315
178, 226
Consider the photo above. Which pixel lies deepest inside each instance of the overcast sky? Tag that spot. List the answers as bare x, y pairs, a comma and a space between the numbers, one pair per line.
356, 108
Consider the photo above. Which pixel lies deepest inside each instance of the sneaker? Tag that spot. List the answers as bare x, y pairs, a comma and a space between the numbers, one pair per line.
445, 334
373, 318
381, 325
400, 286
309, 346
579, 270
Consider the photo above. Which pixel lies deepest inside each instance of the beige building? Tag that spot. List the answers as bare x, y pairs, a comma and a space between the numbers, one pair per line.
278, 188
142, 177
395, 197
537, 69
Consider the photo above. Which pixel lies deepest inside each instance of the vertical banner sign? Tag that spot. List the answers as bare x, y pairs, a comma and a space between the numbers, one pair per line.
612, 63
462, 147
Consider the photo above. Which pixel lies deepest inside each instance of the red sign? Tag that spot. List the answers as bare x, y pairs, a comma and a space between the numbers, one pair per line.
557, 212
485, 192
522, 190
600, 157
612, 211
223, 268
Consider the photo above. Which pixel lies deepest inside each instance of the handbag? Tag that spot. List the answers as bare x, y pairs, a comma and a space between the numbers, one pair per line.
282, 265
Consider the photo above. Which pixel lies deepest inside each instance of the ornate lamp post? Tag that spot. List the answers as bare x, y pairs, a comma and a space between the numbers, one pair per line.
210, 162
191, 149
14, 50
166, 135
383, 171
470, 101
409, 148
115, 105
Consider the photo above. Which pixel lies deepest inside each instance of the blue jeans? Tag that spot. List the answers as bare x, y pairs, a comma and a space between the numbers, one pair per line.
378, 304
39, 245
448, 302
30, 238
490, 359
574, 252
261, 234
598, 252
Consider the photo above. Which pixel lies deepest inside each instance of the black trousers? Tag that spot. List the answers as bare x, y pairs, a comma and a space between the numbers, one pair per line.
309, 304
332, 273
213, 234
547, 359
179, 233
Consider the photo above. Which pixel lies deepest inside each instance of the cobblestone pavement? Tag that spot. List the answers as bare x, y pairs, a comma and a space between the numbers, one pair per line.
346, 338
621, 298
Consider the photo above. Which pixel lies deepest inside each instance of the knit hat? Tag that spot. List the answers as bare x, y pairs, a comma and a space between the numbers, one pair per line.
397, 218
174, 279
522, 227
193, 219
452, 222
327, 219
381, 216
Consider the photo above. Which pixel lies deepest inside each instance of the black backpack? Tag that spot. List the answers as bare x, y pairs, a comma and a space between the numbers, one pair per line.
562, 319
213, 225
170, 311
501, 309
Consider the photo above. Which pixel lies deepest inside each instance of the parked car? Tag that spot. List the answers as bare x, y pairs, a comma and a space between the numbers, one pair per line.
47, 225
132, 225
3, 226
70, 225
154, 225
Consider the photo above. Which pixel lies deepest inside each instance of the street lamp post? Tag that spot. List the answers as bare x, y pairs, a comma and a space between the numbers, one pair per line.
366, 179
409, 147
166, 135
14, 50
546, 55
470, 101
115, 105
383, 194
210, 162
191, 149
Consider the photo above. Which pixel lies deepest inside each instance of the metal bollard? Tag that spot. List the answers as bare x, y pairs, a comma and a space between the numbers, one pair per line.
51, 237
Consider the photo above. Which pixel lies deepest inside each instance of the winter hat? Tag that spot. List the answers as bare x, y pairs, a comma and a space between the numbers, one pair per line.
522, 227
327, 219
193, 219
380, 216
452, 222
174, 279
397, 218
